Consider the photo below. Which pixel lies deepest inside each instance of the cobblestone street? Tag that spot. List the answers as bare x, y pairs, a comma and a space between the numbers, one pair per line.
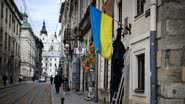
28, 93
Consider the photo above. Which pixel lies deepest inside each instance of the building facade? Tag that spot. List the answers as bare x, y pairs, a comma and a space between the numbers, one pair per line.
50, 52
38, 59
153, 64
28, 49
76, 30
10, 27
153, 75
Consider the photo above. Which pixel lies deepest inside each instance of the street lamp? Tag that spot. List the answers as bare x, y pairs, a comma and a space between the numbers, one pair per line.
67, 45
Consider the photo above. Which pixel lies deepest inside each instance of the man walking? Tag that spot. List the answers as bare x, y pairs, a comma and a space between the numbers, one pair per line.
57, 81
51, 80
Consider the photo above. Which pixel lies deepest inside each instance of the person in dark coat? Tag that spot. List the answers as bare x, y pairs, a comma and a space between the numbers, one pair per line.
118, 63
11, 79
51, 79
57, 81
4, 78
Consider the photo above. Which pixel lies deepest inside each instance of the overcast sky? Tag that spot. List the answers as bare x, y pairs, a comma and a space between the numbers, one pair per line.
40, 10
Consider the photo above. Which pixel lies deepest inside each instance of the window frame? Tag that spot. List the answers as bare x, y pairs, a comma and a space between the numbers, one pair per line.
140, 73
141, 7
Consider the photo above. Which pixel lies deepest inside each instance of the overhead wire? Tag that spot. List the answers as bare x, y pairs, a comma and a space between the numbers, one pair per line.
26, 9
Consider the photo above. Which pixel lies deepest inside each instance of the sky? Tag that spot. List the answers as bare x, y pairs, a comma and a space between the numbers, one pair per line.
42, 10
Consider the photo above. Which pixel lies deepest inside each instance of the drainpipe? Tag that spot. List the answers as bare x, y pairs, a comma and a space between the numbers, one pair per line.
153, 52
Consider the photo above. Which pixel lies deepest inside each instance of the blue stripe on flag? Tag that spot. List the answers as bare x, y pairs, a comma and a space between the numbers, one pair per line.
96, 24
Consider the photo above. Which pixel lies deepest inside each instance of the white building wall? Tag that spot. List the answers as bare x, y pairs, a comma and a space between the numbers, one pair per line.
51, 57
27, 53
138, 42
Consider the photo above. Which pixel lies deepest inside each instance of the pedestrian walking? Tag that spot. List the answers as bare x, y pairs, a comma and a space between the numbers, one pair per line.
51, 80
57, 81
4, 78
11, 79
20, 78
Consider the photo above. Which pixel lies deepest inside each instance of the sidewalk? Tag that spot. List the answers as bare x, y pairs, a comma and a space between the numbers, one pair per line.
69, 97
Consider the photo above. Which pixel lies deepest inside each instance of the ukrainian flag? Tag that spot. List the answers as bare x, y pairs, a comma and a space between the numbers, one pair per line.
101, 24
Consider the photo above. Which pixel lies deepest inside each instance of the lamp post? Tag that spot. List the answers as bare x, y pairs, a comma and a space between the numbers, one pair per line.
67, 46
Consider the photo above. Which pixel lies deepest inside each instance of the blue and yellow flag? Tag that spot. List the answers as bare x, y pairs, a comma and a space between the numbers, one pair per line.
101, 24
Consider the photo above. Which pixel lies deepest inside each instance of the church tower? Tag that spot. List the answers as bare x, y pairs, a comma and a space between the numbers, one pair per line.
43, 33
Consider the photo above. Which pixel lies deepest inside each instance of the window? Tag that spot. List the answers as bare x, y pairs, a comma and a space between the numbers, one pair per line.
106, 74
13, 45
140, 7
120, 11
50, 64
15, 48
18, 29
10, 16
1, 36
0, 64
14, 26
2, 10
6, 18
46, 64
5, 41
141, 73
9, 43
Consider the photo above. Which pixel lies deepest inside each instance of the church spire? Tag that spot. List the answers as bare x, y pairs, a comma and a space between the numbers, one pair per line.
43, 30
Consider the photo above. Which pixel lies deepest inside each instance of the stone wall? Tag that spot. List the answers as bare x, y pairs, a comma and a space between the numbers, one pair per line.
171, 51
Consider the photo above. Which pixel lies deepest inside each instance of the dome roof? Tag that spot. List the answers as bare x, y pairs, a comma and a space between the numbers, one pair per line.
26, 24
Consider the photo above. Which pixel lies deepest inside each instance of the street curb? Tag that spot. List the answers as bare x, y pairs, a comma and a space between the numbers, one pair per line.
52, 99
12, 85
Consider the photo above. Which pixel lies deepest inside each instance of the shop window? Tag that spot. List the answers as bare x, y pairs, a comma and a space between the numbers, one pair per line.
140, 7
141, 73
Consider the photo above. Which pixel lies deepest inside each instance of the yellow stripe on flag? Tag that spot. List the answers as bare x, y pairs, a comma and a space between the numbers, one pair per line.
106, 36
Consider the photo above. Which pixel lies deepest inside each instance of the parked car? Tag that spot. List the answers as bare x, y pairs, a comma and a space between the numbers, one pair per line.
42, 79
